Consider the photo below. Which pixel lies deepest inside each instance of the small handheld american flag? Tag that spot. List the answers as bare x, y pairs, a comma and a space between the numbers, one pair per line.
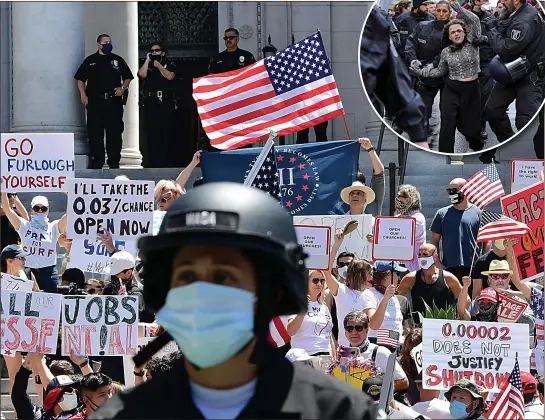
509, 404
388, 338
484, 187
494, 226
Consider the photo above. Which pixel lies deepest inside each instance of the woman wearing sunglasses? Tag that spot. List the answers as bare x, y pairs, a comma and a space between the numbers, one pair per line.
311, 331
95, 286
39, 238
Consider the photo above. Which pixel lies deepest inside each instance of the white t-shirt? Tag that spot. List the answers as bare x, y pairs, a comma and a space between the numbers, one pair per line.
347, 300
534, 411
435, 409
41, 245
393, 318
315, 331
222, 403
381, 360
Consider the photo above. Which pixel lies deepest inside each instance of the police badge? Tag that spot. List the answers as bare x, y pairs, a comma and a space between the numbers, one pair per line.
515, 34
241, 59
115, 64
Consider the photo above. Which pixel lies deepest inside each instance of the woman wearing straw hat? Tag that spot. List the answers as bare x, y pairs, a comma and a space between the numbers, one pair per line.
358, 196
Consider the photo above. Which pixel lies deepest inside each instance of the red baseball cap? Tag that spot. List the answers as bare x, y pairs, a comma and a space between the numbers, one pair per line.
488, 294
529, 383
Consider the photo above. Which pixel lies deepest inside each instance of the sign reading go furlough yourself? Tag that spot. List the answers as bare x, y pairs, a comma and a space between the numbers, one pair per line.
36, 162
123, 208
315, 243
29, 321
525, 172
526, 206
482, 352
394, 238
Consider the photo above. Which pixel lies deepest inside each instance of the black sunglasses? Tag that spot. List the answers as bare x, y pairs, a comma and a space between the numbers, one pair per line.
155, 50
342, 264
165, 199
230, 38
452, 190
318, 281
39, 209
94, 291
350, 328
11, 195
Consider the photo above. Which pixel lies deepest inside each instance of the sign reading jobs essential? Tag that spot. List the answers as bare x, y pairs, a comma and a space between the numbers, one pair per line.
526, 206
123, 208
37, 162
482, 352
100, 325
29, 321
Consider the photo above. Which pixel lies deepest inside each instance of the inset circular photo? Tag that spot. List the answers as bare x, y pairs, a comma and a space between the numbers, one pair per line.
455, 77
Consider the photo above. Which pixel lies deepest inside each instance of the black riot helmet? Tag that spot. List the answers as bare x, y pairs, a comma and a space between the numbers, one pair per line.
231, 214
509, 73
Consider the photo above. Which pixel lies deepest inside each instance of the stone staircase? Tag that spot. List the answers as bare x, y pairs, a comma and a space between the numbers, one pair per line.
6, 405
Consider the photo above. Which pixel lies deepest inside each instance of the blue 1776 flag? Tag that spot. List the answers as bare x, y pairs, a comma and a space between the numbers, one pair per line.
310, 176
266, 178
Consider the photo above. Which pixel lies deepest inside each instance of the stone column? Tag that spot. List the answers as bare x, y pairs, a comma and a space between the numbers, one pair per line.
120, 21
5, 66
47, 49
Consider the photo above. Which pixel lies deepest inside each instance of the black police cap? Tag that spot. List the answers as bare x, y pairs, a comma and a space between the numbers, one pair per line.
227, 214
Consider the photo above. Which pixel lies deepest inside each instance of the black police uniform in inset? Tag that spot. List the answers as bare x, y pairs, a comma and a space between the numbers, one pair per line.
425, 45
386, 78
228, 61
522, 34
406, 24
159, 110
103, 74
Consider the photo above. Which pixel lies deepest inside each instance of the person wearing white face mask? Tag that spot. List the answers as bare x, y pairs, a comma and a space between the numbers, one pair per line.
430, 284
225, 262
39, 238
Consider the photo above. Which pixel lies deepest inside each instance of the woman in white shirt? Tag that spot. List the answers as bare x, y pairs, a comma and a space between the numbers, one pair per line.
312, 331
39, 238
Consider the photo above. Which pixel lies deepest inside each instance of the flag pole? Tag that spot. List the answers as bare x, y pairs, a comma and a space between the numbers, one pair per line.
260, 159
475, 248
346, 127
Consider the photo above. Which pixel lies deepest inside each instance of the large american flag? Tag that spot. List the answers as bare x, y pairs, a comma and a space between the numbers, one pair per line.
484, 187
509, 404
290, 91
494, 226
388, 338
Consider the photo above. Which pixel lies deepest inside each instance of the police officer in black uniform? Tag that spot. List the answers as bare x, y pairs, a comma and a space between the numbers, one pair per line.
423, 47
407, 22
103, 83
217, 272
519, 35
232, 58
387, 80
158, 73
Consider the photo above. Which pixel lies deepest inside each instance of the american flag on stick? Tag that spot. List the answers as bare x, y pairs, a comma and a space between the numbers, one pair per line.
387, 338
484, 187
509, 404
292, 90
494, 226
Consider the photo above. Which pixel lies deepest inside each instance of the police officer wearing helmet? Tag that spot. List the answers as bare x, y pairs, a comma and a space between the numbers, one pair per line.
519, 67
217, 273
103, 82
158, 73
233, 57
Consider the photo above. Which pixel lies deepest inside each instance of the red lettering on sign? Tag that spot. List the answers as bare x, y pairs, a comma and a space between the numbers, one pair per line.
72, 339
12, 327
46, 331
29, 322
434, 379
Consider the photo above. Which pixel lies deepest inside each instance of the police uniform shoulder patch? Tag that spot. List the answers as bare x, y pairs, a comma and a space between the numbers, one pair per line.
241, 59
115, 64
515, 34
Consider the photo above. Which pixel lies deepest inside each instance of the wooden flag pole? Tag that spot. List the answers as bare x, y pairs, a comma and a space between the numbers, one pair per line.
346, 127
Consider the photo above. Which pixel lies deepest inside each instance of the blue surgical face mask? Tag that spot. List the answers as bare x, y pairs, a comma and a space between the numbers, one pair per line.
107, 48
39, 221
210, 322
458, 410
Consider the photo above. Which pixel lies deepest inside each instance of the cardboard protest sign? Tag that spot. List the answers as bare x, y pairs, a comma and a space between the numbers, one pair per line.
123, 208
37, 161
8, 282
526, 206
355, 242
92, 256
416, 354
525, 172
482, 352
394, 238
100, 325
315, 243
510, 310
29, 321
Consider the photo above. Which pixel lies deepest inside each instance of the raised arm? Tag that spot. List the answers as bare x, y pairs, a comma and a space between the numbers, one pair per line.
186, 173
332, 282
471, 20
462, 305
440, 71
20, 208
13, 217
515, 278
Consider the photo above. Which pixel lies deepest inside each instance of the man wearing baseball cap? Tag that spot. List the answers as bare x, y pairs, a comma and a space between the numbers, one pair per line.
533, 407
466, 401
395, 410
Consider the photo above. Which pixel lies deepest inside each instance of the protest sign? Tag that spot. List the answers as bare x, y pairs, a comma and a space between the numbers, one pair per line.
355, 242
526, 206
525, 172
8, 282
510, 309
416, 354
394, 238
29, 321
100, 325
92, 256
315, 243
37, 161
123, 208
482, 352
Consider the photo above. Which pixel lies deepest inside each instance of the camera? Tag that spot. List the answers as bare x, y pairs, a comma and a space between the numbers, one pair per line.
71, 290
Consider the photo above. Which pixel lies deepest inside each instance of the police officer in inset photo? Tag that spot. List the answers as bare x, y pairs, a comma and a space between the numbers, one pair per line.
519, 68
103, 80
407, 22
232, 58
158, 73
225, 262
